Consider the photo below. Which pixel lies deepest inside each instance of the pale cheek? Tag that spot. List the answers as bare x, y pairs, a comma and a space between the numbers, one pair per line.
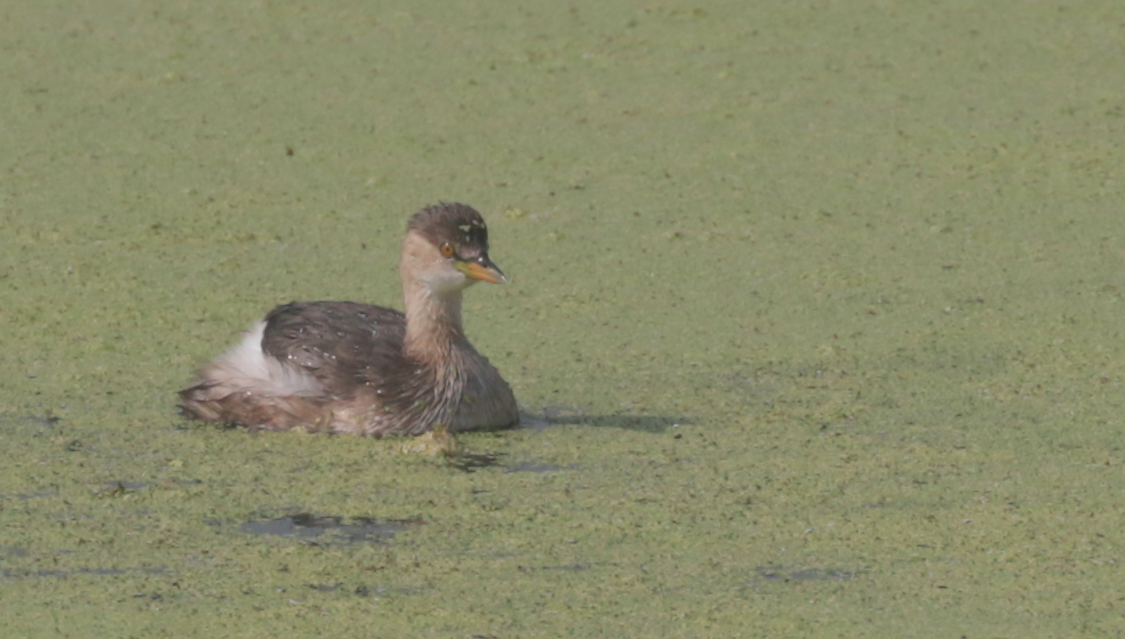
448, 282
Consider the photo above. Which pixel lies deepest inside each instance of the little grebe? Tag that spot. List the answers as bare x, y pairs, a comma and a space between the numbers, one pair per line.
356, 368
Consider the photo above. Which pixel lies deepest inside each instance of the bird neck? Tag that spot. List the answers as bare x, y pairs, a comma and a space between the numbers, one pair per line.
433, 322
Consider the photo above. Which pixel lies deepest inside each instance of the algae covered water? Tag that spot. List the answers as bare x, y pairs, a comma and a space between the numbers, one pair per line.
814, 317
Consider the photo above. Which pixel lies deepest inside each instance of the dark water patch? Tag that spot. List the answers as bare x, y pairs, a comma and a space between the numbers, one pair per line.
330, 528
472, 462
534, 421
42, 420
39, 494
374, 591
560, 414
788, 575
364, 590
120, 487
644, 423
537, 467
361, 590
578, 567
102, 572
575, 415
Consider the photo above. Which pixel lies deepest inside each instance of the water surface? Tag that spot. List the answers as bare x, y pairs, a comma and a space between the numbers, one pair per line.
816, 307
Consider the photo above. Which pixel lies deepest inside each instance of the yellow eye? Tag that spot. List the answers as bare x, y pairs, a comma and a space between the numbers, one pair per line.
447, 250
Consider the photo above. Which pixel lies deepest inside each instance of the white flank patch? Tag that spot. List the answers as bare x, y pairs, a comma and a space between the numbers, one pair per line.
247, 367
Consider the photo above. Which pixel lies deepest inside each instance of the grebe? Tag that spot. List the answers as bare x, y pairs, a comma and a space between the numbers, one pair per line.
346, 367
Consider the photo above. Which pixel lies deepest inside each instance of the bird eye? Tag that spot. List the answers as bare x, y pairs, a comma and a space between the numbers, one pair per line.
447, 250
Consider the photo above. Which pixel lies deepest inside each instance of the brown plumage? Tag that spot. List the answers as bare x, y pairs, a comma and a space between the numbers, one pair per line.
349, 367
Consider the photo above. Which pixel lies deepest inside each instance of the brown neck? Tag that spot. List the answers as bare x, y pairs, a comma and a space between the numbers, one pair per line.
433, 323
